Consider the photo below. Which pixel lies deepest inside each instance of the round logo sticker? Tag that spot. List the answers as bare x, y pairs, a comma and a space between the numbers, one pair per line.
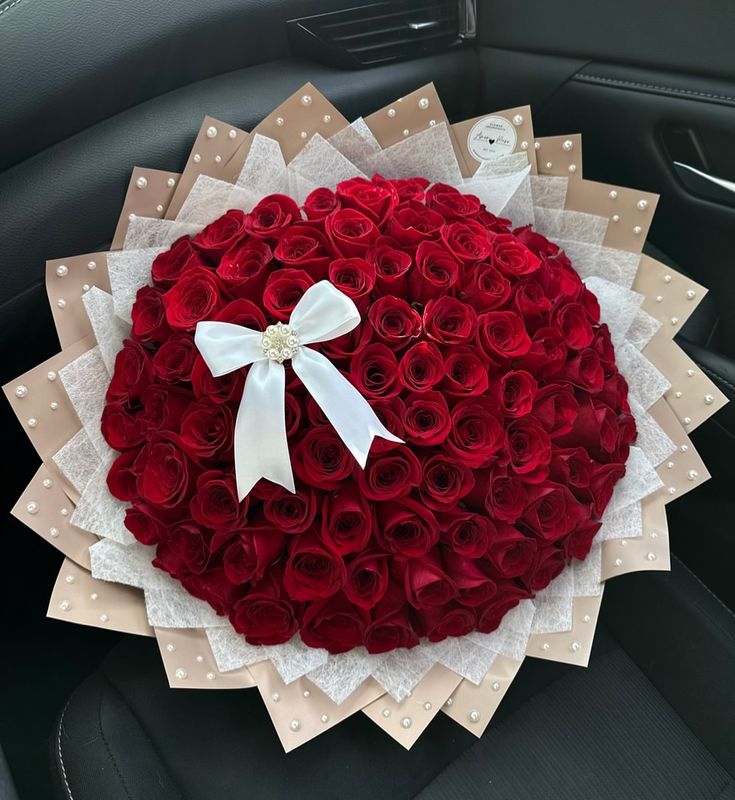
491, 137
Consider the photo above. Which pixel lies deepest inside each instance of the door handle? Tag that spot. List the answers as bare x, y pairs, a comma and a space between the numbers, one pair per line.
709, 187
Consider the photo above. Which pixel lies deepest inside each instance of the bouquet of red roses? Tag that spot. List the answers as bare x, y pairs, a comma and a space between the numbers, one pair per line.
366, 417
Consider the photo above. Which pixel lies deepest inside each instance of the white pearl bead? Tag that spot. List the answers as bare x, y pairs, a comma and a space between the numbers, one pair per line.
85, 287
691, 294
70, 579
651, 556
549, 165
568, 145
280, 121
709, 399
211, 132
171, 182
171, 648
518, 119
474, 715
667, 278
21, 390
32, 507
232, 133
618, 562
642, 205
142, 182
62, 270
218, 159
427, 706
386, 712
677, 394
53, 532
575, 647
675, 320
307, 693
64, 605
104, 618
613, 195
424, 102
687, 420
637, 230
64, 512
61, 303
616, 217
211, 676
197, 158
623, 542
275, 697
32, 422
295, 725
406, 722
326, 119
537, 145
496, 686
586, 618
672, 489
93, 596
391, 112
159, 208
91, 265
692, 474
432, 122
524, 145
653, 535
659, 298
546, 646
324, 718
306, 100
670, 465
572, 168
47, 483
684, 448
181, 673
303, 134
200, 659
406, 131
450, 702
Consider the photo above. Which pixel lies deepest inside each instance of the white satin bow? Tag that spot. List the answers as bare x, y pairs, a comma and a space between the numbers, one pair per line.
261, 447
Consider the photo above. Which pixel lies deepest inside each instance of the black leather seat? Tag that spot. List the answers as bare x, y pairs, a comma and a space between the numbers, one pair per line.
652, 717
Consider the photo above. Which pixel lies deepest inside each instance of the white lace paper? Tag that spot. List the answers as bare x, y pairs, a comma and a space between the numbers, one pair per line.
508, 188
109, 330
78, 460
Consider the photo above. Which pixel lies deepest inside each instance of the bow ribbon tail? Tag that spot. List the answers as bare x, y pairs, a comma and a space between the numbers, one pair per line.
261, 446
347, 410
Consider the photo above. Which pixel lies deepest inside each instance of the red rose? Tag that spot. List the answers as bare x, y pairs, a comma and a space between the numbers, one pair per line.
122, 479
511, 257
391, 413
451, 203
601, 485
394, 321
164, 407
407, 188
483, 287
132, 373
474, 587
552, 511
421, 367
244, 268
413, 223
571, 319
427, 584
449, 321
334, 624
375, 200
288, 512
579, 542
121, 428
466, 371
321, 459
529, 447
266, 615
406, 528
173, 362
445, 482
149, 316
221, 235
506, 498
573, 467
547, 353
502, 335
283, 290
436, 624
272, 216
391, 265
389, 474
467, 534
547, 565
532, 303
556, 409
476, 435
140, 521
374, 372
242, 312
467, 240
585, 371
427, 421
251, 553
518, 390
510, 552
215, 504
354, 277
493, 223
507, 597
305, 247
350, 232
348, 345
346, 520
596, 428
435, 274
180, 257
226, 388
311, 570
390, 627
367, 579
193, 298
539, 245
164, 473
320, 203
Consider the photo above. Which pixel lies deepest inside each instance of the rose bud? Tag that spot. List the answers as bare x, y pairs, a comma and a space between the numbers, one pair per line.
445, 481
556, 408
436, 624
449, 321
511, 553
391, 265
602, 483
149, 316
272, 216
266, 615
529, 447
539, 245
347, 346
427, 421
547, 353
531, 302
251, 553
405, 527
169, 266
547, 565
133, 372
140, 520
572, 321
122, 479
407, 188
220, 235
312, 571
426, 583
346, 520
473, 585
244, 268
283, 290
321, 458
579, 542
584, 370
390, 627
484, 287
121, 428
507, 597
572, 467
193, 298
367, 579
517, 393
225, 389
421, 367
334, 624
552, 511
215, 504
389, 474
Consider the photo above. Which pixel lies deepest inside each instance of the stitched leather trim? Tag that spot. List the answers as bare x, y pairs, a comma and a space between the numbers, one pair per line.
654, 88
62, 768
7, 8
715, 375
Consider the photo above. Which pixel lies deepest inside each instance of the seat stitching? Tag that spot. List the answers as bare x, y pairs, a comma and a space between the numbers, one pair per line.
109, 751
653, 87
713, 374
58, 748
7, 8
706, 588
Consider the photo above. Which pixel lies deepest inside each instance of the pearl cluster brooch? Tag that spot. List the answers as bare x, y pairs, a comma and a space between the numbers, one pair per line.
280, 342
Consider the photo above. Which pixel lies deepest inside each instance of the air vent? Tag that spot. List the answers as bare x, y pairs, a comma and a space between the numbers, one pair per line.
381, 33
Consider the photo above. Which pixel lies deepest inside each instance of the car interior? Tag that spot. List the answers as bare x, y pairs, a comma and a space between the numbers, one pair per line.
91, 89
